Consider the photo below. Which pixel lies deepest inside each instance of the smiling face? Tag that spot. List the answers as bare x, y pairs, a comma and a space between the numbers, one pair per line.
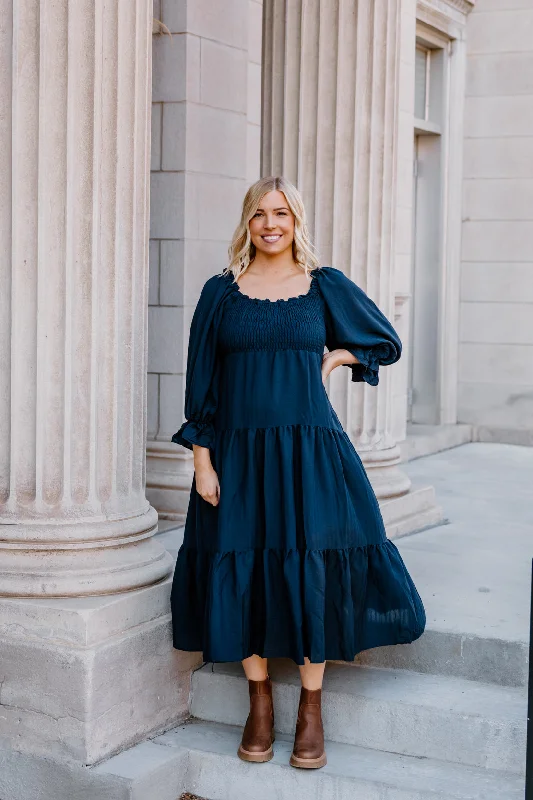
272, 226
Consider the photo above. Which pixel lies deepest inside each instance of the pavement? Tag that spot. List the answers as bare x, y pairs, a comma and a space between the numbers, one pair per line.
474, 572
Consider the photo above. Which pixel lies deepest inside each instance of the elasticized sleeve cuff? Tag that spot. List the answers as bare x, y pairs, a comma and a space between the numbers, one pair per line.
370, 360
194, 432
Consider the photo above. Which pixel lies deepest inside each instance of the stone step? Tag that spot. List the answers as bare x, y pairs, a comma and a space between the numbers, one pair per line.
423, 716
201, 758
443, 652
414, 511
425, 440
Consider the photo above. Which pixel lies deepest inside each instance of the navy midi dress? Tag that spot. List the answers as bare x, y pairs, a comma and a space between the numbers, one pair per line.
294, 560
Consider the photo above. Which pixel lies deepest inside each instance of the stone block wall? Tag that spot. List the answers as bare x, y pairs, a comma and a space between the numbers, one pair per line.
205, 151
496, 328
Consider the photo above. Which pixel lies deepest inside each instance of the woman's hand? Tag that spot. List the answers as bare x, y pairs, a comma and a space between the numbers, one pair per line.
207, 484
334, 359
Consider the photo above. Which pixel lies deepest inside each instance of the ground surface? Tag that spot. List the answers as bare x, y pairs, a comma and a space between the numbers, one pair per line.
484, 552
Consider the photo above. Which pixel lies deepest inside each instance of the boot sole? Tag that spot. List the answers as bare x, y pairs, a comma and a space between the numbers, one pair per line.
308, 763
258, 758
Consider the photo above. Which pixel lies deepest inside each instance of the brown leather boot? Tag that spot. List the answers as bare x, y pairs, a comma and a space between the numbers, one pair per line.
308, 751
258, 734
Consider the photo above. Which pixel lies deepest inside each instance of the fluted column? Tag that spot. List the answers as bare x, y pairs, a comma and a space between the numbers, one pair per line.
74, 145
329, 111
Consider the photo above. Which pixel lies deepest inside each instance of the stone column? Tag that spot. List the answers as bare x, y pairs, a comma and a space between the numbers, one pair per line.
74, 147
82, 676
330, 126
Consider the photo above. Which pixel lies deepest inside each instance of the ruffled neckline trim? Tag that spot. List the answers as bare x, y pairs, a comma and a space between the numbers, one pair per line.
280, 301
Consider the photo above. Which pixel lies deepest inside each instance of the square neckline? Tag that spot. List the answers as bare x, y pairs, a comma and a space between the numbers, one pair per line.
279, 299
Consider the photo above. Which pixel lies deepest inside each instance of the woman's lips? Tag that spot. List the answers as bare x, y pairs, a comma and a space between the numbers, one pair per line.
270, 239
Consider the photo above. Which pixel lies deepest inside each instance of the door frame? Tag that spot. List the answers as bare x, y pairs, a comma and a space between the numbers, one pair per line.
449, 125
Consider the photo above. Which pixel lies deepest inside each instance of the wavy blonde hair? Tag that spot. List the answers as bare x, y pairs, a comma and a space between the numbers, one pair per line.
242, 250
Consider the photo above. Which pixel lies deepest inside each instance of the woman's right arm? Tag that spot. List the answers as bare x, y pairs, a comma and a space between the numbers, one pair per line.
201, 390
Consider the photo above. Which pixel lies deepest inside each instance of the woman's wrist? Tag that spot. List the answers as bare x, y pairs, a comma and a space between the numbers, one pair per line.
339, 357
202, 457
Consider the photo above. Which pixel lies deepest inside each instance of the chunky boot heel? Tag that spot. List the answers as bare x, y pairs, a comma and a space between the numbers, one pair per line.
258, 734
308, 751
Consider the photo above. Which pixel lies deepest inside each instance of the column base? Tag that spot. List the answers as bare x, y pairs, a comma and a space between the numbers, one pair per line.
169, 471
405, 509
82, 558
84, 678
425, 440
412, 512
382, 468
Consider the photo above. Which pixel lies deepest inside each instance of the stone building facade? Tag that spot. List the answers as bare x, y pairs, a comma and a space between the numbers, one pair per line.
495, 382
408, 125
385, 117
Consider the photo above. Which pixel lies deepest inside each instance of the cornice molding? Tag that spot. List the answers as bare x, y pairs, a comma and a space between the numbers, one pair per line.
442, 6
465, 6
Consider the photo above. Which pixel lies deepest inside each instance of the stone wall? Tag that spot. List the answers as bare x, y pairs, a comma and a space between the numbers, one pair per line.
253, 149
496, 334
205, 150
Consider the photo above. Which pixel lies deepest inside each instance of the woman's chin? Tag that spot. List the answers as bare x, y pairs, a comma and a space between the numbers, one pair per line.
272, 249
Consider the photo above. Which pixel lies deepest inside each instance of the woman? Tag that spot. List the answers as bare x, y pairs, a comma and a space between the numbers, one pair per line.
284, 550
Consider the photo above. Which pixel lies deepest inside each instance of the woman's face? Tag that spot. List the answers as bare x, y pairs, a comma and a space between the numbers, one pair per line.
272, 226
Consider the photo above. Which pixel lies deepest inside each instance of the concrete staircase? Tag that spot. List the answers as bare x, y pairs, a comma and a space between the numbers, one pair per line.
391, 735
201, 757
392, 711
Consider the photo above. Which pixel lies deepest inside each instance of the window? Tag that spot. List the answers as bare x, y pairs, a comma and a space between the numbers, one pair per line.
422, 77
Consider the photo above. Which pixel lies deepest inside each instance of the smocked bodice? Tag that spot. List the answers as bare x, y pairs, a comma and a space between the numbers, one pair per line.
274, 343
252, 324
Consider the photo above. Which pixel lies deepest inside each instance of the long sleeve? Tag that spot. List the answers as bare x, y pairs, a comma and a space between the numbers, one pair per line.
201, 382
355, 323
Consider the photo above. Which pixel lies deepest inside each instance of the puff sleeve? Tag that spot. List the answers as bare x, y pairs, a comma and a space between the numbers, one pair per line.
201, 382
355, 323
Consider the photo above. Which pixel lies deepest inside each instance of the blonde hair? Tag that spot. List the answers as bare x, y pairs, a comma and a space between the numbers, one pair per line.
242, 251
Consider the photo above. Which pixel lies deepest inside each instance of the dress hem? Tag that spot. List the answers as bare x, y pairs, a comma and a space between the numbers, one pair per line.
416, 634
327, 603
